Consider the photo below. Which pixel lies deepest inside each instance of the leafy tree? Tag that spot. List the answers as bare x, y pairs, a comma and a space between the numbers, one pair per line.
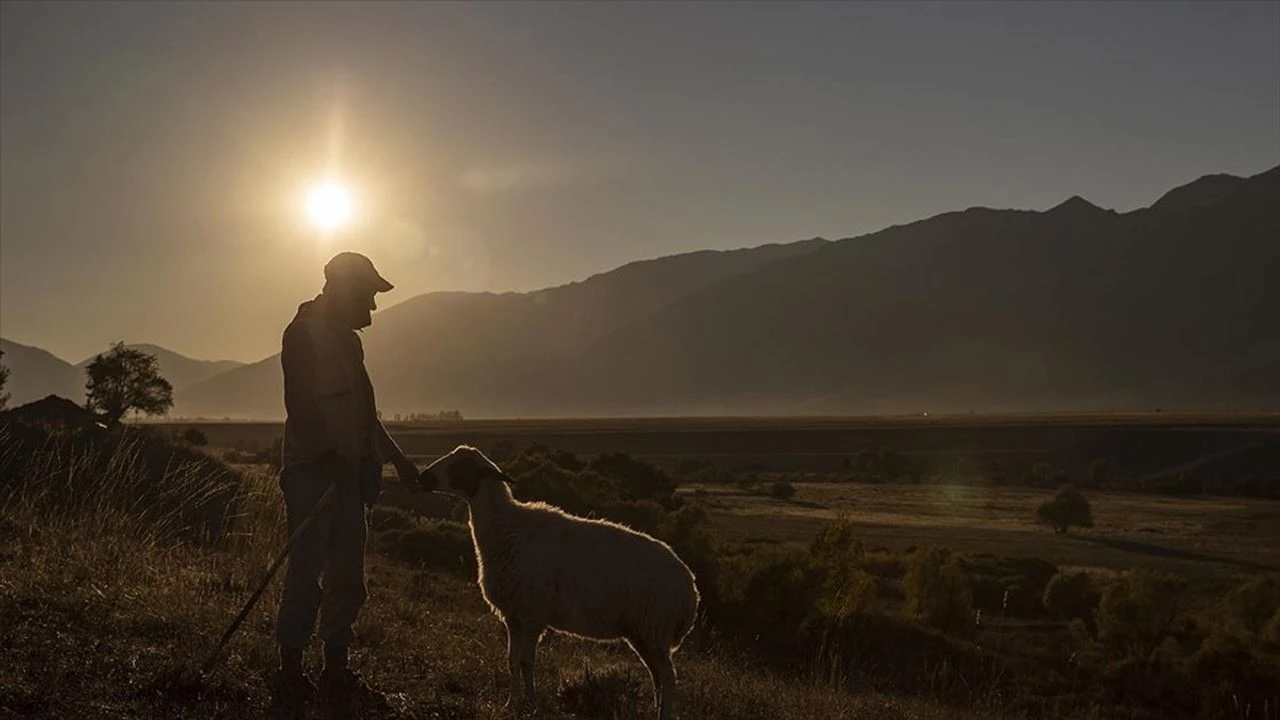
4, 377
937, 589
124, 379
837, 553
1067, 508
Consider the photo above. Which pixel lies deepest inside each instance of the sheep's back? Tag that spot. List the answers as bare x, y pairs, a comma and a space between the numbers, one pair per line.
589, 577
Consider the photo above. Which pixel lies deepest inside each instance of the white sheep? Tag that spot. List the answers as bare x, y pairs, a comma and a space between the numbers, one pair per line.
542, 568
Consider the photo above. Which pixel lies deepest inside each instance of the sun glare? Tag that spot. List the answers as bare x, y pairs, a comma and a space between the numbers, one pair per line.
329, 206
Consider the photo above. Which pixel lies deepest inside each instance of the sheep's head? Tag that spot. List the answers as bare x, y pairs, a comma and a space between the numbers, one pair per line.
465, 471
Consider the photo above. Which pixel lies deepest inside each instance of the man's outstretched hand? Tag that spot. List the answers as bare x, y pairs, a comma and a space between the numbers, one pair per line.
408, 472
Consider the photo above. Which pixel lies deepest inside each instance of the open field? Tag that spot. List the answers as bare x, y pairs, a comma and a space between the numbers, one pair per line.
1132, 443
1209, 540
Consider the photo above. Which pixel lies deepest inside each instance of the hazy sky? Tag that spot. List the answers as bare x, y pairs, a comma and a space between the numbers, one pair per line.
155, 157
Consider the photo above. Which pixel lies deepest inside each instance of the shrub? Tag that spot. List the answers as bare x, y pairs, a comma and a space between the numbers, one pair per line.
1137, 612
937, 589
580, 493
782, 490
1071, 596
771, 591
1254, 603
1067, 508
434, 544
644, 515
707, 474
685, 530
538, 454
194, 436
635, 480
1271, 633
1007, 586
1225, 673
1040, 475
838, 557
502, 452
880, 466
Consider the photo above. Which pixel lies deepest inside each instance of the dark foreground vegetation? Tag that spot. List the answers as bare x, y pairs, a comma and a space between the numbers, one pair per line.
124, 553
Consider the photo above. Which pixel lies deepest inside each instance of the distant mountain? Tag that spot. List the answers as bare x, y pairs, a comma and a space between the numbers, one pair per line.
1072, 308
1200, 193
458, 350
35, 373
180, 370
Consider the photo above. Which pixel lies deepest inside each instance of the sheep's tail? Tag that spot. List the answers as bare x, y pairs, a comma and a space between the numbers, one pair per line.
684, 625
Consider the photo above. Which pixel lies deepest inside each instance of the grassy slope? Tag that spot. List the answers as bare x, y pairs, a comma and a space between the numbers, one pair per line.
97, 623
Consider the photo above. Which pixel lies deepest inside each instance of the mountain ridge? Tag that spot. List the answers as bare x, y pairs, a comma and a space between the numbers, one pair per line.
1075, 307
987, 309
36, 372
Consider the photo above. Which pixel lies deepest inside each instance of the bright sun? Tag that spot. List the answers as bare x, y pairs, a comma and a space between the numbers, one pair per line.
329, 206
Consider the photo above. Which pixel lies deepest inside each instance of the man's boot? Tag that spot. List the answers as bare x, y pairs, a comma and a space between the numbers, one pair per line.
292, 690
342, 691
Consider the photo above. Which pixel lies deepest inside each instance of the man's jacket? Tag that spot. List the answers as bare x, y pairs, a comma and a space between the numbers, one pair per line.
327, 393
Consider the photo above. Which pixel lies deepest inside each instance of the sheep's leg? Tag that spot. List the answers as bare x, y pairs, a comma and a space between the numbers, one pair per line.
513, 664
663, 674
528, 648
522, 644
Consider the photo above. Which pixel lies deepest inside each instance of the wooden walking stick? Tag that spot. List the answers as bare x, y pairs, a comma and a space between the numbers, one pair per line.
266, 580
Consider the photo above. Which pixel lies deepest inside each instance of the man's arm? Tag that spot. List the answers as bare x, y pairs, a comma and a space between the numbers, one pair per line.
389, 451
298, 358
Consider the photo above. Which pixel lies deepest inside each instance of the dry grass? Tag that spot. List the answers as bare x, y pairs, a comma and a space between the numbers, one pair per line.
101, 617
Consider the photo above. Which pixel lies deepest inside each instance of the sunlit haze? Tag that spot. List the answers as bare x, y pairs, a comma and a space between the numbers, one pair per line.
161, 161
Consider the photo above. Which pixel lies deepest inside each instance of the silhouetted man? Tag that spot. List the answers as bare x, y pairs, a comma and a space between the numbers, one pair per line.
332, 436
